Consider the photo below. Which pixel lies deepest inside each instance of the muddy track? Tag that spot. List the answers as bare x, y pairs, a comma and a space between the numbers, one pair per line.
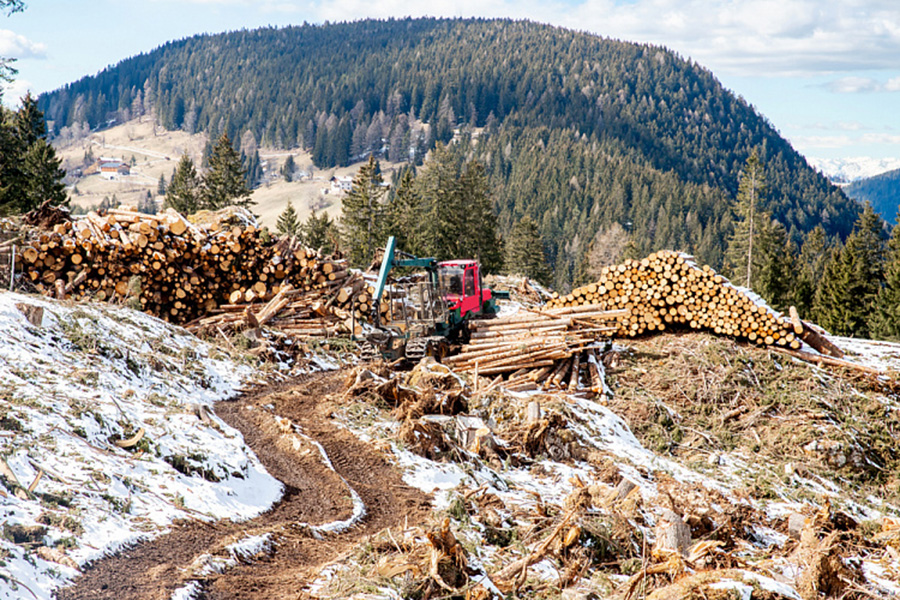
280, 425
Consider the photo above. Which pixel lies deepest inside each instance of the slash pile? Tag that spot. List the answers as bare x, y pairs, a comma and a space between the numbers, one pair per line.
546, 347
667, 288
178, 270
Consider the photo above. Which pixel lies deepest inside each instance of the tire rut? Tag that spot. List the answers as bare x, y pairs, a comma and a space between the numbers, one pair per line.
275, 423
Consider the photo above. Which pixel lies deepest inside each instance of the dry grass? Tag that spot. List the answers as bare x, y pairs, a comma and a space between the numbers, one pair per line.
694, 394
158, 153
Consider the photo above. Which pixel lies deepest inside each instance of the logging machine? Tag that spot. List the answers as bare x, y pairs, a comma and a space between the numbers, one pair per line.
424, 317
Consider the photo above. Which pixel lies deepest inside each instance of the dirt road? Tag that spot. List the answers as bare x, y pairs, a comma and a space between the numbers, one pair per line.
283, 426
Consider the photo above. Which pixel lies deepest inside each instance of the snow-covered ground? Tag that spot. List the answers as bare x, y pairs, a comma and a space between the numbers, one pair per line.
723, 477
84, 377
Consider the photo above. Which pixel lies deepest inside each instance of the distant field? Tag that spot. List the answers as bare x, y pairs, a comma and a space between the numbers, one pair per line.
157, 154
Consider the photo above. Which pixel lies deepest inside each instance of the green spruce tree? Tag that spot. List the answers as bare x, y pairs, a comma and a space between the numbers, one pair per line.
403, 211
884, 322
42, 177
224, 183
852, 280
320, 232
457, 219
288, 223
741, 258
183, 193
362, 214
288, 168
161, 185
524, 252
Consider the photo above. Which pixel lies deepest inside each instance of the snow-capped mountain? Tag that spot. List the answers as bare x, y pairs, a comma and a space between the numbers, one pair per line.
847, 170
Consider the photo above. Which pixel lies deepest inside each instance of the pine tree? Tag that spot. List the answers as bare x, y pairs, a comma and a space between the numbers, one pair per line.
852, 280
147, 204
480, 237
884, 323
288, 168
6, 70
224, 184
320, 232
774, 279
183, 193
524, 252
457, 219
810, 269
42, 177
161, 186
288, 224
403, 211
29, 122
362, 214
740, 259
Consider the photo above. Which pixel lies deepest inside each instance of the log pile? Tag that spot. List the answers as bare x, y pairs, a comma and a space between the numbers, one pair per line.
667, 289
553, 348
179, 271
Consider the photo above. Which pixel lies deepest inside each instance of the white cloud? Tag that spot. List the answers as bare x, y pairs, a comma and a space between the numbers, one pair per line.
13, 45
15, 91
853, 85
804, 143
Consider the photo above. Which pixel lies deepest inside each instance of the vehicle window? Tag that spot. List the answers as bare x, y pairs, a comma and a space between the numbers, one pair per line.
470, 282
452, 280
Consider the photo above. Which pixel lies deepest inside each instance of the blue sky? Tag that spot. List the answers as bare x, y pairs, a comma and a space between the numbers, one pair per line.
826, 73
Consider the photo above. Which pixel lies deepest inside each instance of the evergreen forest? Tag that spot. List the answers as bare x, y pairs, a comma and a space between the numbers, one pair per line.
604, 148
881, 191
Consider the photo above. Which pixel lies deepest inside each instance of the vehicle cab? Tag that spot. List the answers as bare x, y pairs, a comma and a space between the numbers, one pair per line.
460, 282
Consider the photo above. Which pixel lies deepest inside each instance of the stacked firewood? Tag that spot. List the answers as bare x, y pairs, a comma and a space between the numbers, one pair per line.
540, 348
180, 271
668, 289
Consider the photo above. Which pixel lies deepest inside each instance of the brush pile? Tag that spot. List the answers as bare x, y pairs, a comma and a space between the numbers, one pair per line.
179, 271
668, 289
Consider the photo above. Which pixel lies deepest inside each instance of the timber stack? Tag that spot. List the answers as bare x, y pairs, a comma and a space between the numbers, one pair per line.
541, 349
667, 289
181, 271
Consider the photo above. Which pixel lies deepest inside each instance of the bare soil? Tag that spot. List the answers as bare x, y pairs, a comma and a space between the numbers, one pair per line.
314, 495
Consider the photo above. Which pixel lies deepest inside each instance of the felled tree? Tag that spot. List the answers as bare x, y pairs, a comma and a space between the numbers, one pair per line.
524, 252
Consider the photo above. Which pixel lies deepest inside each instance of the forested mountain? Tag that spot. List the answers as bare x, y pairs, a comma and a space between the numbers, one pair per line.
580, 133
881, 191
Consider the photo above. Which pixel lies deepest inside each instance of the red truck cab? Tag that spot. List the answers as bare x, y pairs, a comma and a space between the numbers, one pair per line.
460, 281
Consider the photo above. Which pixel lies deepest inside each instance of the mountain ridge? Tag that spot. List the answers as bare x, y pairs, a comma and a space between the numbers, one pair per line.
637, 131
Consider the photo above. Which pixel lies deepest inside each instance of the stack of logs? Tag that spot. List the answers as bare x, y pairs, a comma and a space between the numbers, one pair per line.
540, 348
180, 271
667, 289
